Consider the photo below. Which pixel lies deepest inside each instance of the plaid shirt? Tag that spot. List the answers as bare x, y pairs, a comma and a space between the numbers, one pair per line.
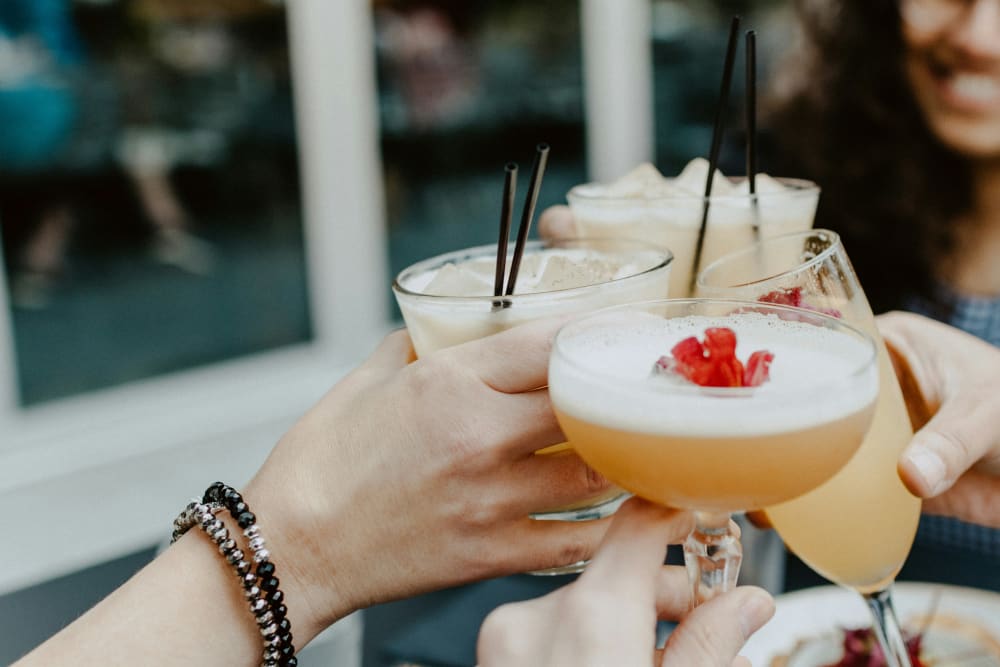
979, 316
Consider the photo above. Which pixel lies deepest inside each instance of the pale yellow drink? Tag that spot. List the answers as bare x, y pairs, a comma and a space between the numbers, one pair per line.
712, 449
668, 212
446, 309
858, 527
685, 471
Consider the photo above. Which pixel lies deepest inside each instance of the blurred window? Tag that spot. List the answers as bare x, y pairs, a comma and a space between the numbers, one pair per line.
689, 47
149, 188
464, 88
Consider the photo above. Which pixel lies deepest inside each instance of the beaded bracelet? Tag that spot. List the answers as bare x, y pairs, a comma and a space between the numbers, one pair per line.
260, 585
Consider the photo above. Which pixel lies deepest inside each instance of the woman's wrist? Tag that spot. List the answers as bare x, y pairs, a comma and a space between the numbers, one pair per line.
250, 561
315, 581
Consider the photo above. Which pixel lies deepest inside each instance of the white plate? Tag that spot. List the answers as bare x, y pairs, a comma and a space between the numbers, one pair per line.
815, 612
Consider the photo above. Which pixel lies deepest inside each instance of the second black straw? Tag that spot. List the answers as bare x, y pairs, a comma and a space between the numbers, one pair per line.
717, 133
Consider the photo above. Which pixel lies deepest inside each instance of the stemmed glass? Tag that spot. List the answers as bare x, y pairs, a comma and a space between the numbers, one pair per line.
714, 450
858, 527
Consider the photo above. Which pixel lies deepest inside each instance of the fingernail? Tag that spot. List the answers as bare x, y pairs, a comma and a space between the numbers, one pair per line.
756, 609
929, 466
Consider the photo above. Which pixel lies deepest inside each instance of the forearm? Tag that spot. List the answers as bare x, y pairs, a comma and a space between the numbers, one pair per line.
184, 608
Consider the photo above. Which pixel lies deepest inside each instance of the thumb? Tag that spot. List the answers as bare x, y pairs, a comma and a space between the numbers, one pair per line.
393, 353
959, 435
713, 634
557, 223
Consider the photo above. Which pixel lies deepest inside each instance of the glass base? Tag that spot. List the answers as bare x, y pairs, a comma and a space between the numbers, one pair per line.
601, 510
572, 568
591, 513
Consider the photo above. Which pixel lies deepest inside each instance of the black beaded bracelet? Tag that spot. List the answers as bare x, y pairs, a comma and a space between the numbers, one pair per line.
260, 585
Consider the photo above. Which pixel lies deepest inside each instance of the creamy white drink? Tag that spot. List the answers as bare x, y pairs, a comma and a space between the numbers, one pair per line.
643, 204
447, 300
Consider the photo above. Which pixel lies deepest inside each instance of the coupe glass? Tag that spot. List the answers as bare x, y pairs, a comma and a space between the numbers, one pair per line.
713, 450
857, 528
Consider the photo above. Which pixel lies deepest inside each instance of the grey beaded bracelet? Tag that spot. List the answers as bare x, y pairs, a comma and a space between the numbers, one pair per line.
260, 586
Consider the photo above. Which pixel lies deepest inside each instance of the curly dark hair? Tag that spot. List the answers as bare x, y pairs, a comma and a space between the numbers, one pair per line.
844, 113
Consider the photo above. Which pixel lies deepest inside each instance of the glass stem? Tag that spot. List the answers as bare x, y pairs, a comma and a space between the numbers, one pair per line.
712, 555
886, 626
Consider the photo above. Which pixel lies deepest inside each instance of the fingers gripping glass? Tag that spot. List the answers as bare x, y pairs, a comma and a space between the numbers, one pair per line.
442, 314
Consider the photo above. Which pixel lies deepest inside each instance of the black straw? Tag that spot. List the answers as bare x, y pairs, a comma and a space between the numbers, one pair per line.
717, 132
751, 112
506, 212
537, 171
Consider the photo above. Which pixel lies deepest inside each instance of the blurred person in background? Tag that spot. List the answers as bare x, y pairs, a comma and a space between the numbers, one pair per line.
40, 65
191, 87
429, 61
100, 106
894, 108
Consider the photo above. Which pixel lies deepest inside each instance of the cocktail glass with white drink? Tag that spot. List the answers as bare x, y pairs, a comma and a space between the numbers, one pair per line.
669, 212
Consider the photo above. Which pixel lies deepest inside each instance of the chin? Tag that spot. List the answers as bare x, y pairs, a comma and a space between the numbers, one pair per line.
970, 140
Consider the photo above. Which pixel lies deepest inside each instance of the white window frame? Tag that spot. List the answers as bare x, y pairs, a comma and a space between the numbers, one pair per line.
618, 85
96, 476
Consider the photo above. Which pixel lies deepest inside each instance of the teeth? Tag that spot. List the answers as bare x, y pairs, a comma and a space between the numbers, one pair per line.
976, 87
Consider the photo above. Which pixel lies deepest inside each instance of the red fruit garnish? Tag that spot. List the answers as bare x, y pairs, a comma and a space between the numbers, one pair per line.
691, 360
758, 370
784, 297
792, 296
862, 650
713, 363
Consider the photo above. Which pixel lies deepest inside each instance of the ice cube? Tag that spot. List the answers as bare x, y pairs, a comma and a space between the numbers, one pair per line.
563, 272
460, 280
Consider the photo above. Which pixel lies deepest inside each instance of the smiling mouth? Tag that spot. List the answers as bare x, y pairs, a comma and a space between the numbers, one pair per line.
966, 90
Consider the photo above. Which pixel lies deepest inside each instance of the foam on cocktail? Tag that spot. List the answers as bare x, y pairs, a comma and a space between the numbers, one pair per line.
668, 211
609, 380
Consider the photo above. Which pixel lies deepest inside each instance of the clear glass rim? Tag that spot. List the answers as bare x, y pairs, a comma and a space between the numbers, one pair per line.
835, 246
862, 367
797, 188
490, 250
